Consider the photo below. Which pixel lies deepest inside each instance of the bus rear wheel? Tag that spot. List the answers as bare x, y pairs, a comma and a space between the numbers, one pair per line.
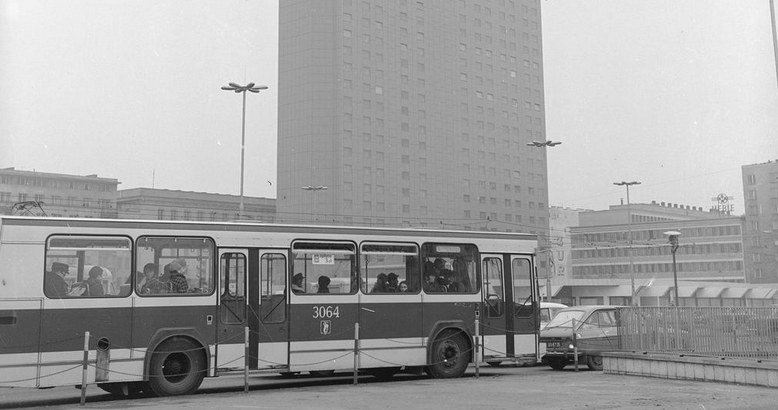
450, 356
130, 389
177, 367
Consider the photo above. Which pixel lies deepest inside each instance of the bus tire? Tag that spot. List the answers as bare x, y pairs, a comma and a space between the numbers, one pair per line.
177, 367
129, 389
450, 355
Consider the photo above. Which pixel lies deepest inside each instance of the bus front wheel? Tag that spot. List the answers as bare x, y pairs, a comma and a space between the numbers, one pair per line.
450, 356
177, 367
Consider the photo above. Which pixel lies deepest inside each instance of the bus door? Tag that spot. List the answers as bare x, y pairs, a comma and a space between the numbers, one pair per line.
253, 295
525, 313
496, 323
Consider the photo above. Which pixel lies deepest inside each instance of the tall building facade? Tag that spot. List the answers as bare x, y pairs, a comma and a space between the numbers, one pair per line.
412, 113
760, 193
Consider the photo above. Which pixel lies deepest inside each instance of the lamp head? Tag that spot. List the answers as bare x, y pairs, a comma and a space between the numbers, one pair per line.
673, 237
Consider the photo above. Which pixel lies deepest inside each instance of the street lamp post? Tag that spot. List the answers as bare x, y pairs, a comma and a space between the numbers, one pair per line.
629, 249
673, 237
314, 189
241, 89
542, 144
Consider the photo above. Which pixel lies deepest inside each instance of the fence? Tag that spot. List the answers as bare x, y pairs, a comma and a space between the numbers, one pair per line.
745, 332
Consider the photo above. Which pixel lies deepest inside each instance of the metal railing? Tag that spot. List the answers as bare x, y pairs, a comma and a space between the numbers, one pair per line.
744, 332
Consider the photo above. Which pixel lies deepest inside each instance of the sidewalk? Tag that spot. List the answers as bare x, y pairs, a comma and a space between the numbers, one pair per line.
500, 388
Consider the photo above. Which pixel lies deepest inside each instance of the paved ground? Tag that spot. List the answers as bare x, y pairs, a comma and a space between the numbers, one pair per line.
502, 388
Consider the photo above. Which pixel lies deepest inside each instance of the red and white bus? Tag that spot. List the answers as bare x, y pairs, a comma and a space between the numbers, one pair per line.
299, 290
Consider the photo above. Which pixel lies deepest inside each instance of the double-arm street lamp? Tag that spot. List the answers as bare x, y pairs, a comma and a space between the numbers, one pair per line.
314, 189
540, 144
543, 144
629, 249
241, 89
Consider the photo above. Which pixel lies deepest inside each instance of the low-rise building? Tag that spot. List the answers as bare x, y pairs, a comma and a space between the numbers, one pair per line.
58, 195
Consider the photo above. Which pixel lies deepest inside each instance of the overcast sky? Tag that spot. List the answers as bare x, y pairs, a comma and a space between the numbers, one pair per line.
675, 94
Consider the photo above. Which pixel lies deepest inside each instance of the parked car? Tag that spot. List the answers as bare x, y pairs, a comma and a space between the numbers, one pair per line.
592, 329
548, 310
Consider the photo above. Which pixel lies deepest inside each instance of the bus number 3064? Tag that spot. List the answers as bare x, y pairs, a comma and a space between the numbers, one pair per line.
326, 312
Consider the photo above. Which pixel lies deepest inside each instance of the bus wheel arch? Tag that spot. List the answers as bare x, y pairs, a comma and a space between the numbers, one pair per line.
176, 365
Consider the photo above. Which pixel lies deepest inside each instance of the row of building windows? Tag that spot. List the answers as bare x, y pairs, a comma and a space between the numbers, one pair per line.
622, 270
55, 183
584, 239
687, 249
55, 200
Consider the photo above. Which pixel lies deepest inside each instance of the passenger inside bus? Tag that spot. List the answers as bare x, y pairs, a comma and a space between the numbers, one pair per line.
297, 283
324, 284
178, 283
391, 282
403, 287
54, 283
150, 284
94, 285
380, 284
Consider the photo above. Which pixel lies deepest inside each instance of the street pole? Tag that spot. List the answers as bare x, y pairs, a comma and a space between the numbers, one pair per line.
543, 144
673, 238
775, 38
242, 90
315, 189
629, 248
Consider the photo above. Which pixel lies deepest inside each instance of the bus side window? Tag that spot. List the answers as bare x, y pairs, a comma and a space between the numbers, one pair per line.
389, 268
87, 266
185, 265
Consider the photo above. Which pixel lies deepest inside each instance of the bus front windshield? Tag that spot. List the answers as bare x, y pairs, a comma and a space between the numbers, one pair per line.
565, 318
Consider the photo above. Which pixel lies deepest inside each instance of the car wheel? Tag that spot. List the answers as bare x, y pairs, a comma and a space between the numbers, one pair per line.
594, 362
557, 364
494, 363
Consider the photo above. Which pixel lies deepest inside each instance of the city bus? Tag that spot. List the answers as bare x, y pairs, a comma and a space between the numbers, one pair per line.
156, 306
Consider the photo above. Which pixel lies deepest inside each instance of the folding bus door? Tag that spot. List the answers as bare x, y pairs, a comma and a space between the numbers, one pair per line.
525, 313
253, 295
497, 320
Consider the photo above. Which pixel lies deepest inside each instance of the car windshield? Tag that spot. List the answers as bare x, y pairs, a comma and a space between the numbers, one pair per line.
564, 318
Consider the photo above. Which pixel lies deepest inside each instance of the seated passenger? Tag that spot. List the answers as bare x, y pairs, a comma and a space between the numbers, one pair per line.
403, 287
324, 284
391, 282
54, 280
431, 284
178, 283
297, 283
150, 283
94, 285
380, 284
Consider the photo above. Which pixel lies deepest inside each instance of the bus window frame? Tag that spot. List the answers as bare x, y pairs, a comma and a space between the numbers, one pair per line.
417, 272
294, 250
475, 283
214, 265
80, 265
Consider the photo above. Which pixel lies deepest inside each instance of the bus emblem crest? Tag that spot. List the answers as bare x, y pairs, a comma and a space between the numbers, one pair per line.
325, 327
